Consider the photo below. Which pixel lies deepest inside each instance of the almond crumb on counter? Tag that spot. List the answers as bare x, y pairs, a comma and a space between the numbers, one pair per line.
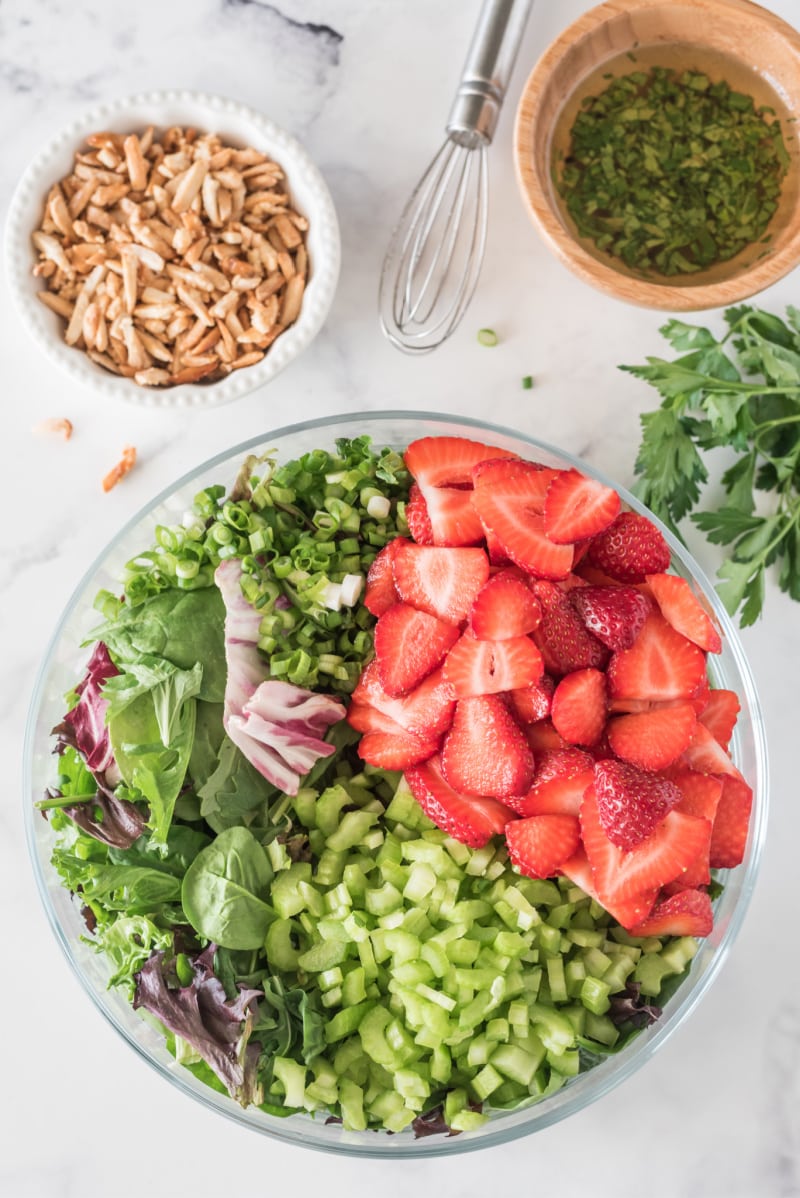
54, 424
123, 467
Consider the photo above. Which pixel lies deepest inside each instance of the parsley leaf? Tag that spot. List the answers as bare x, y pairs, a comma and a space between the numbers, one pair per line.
741, 394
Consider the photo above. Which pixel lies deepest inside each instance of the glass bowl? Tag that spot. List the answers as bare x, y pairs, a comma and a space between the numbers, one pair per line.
63, 663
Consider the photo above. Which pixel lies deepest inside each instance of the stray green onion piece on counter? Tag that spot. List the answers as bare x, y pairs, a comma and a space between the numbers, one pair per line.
487, 337
527, 382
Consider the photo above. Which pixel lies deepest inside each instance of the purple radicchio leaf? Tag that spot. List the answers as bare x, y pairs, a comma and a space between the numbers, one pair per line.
216, 1028
113, 821
88, 717
629, 1007
279, 727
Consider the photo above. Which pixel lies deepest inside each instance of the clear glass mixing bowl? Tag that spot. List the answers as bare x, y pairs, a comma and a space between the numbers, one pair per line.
63, 663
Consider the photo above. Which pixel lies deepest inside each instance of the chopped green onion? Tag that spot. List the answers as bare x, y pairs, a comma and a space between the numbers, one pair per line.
487, 337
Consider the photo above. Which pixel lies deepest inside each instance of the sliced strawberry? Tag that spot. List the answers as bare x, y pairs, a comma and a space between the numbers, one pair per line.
565, 643
687, 913
409, 645
476, 667
700, 794
494, 472
630, 549
365, 718
579, 707
731, 822
395, 750
706, 755
485, 752
719, 714
442, 582
661, 664
630, 802
426, 711
543, 736
557, 796
417, 518
508, 499
684, 611
504, 608
652, 740
614, 614
540, 845
497, 555
448, 461
381, 593
532, 703
454, 521
577, 507
620, 874
627, 912
470, 819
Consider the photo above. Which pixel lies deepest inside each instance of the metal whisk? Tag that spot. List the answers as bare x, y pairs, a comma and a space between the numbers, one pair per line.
434, 258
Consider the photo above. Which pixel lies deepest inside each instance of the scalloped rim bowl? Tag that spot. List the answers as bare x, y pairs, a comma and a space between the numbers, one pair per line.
64, 659
243, 126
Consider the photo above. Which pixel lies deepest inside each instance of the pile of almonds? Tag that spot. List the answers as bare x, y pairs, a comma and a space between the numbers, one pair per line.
172, 257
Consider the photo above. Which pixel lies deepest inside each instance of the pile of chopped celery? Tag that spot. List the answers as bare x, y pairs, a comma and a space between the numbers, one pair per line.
446, 977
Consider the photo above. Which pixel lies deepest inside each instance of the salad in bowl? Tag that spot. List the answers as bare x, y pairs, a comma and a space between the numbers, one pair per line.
395, 775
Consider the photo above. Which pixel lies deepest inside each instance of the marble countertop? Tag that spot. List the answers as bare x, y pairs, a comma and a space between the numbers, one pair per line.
366, 87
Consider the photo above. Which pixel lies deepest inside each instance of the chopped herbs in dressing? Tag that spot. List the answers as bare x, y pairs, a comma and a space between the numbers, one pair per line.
672, 173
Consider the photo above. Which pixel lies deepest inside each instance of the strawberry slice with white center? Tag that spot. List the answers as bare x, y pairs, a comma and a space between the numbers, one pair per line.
629, 549
509, 499
630, 802
577, 507
540, 845
476, 667
652, 740
381, 593
472, 819
504, 608
621, 874
718, 714
485, 752
409, 645
684, 611
706, 755
427, 711
453, 519
661, 664
448, 461
579, 707
687, 913
442, 582
614, 614
564, 641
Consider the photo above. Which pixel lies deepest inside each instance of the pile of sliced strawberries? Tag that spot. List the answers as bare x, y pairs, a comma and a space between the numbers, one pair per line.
539, 674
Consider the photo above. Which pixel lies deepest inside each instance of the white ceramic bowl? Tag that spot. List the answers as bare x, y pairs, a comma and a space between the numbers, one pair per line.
236, 123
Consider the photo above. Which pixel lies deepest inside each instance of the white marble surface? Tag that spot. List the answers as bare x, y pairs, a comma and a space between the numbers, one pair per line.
366, 86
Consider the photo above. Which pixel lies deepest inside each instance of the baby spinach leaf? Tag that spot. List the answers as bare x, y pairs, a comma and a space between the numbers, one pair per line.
224, 891
235, 788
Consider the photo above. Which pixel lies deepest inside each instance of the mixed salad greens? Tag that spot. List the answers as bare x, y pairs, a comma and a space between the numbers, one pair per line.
306, 937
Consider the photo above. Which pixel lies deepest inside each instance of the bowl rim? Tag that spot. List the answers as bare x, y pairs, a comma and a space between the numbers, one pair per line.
595, 1082
686, 297
39, 175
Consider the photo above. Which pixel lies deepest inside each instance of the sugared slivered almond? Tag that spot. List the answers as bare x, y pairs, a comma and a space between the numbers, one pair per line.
190, 183
58, 304
54, 424
292, 299
130, 272
152, 377
134, 159
123, 467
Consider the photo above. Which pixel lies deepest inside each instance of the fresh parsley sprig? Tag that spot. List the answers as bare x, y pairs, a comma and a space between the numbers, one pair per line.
740, 392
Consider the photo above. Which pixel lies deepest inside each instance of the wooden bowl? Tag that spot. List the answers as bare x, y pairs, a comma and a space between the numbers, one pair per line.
734, 40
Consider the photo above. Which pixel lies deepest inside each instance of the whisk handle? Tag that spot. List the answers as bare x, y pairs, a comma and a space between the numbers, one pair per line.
487, 70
